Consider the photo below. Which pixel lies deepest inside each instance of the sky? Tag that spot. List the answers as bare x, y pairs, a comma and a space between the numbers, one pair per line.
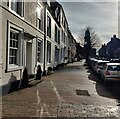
102, 16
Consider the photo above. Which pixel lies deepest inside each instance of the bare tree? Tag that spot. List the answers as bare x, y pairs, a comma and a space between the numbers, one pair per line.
94, 39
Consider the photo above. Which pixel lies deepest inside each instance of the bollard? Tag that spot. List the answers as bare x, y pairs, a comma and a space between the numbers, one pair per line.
39, 73
25, 78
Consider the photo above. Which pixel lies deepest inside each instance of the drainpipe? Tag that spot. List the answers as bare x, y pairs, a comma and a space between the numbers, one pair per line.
44, 62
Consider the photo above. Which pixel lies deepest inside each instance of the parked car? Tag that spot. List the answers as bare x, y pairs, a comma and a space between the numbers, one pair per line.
111, 71
115, 60
93, 64
99, 65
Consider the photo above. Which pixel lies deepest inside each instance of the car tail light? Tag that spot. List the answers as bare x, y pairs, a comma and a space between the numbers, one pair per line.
107, 73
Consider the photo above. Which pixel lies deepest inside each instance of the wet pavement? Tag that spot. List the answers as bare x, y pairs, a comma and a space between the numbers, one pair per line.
73, 91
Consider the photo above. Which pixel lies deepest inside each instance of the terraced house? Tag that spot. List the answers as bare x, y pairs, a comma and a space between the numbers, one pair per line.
33, 33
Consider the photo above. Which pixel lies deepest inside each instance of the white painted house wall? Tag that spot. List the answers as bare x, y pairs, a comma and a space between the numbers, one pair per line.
8, 17
28, 56
51, 40
1, 63
53, 43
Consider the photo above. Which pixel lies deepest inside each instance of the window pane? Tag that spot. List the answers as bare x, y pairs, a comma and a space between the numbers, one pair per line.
38, 57
39, 45
55, 33
15, 53
11, 43
17, 36
39, 24
11, 35
17, 6
37, 48
59, 36
16, 44
39, 11
48, 26
48, 52
14, 5
15, 60
14, 36
10, 52
48, 21
10, 60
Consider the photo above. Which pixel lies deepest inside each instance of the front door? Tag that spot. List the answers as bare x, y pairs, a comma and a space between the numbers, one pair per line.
29, 57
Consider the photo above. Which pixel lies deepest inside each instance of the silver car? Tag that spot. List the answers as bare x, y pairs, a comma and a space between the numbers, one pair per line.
111, 71
99, 65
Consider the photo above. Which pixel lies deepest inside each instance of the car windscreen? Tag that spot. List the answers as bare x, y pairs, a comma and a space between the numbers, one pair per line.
113, 68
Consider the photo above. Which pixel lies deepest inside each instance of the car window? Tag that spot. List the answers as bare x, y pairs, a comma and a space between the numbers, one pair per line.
114, 68
101, 63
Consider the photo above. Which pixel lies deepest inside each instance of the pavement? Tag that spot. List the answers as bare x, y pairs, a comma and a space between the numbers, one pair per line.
73, 91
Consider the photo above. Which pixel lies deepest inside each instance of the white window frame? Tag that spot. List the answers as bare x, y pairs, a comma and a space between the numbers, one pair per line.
49, 22
56, 12
41, 53
56, 34
56, 54
11, 67
49, 53
62, 53
62, 36
14, 42
13, 11
39, 16
39, 11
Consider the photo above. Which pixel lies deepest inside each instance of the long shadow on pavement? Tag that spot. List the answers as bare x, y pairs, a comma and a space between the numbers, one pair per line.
110, 90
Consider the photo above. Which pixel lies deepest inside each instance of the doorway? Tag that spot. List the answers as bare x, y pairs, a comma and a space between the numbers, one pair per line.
29, 57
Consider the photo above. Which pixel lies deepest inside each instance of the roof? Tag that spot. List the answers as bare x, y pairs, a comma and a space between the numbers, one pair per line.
100, 61
113, 63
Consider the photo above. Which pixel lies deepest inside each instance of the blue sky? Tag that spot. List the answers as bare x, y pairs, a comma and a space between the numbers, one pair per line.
102, 16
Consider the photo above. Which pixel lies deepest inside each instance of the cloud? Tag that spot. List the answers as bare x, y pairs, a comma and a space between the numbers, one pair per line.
102, 16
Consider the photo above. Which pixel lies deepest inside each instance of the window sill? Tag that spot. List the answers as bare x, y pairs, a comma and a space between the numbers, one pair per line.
16, 14
39, 63
48, 63
49, 37
14, 68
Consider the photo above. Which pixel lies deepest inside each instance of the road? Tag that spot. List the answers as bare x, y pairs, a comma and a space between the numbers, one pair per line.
72, 91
